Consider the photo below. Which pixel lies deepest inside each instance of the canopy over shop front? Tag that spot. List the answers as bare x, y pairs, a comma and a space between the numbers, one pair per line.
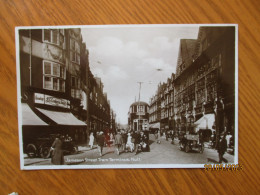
62, 118
155, 126
205, 122
29, 118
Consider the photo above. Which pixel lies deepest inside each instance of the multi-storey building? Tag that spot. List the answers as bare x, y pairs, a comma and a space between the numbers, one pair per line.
204, 83
138, 116
112, 121
161, 112
99, 110
153, 117
56, 84
170, 101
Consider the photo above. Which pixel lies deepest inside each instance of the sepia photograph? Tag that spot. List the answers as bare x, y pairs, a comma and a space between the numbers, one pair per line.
127, 96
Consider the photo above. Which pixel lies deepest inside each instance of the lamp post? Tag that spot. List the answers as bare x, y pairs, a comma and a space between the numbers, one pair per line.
140, 84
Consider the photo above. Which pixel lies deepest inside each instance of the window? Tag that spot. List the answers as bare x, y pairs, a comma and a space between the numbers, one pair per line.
216, 61
74, 51
204, 44
53, 76
75, 87
52, 36
140, 109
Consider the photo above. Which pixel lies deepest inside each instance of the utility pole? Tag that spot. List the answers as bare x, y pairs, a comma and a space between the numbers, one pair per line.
140, 84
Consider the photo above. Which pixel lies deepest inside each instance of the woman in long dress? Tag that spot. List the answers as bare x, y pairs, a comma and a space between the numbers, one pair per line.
57, 155
91, 140
129, 143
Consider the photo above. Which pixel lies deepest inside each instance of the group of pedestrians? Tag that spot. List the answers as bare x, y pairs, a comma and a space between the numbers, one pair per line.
101, 140
130, 142
123, 142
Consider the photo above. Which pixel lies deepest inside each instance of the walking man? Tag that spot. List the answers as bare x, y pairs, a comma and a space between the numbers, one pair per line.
222, 148
118, 142
100, 142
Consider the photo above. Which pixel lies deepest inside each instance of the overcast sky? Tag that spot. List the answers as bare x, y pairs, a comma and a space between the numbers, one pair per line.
123, 56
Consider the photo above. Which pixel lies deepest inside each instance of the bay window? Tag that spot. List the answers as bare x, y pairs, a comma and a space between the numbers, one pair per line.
53, 76
54, 36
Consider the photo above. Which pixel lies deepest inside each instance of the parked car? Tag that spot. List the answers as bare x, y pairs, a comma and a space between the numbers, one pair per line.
190, 142
40, 146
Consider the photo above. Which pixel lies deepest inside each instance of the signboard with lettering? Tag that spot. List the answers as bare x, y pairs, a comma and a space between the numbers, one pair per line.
50, 100
39, 98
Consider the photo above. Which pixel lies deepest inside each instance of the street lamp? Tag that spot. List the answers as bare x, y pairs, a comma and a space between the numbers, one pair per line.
140, 84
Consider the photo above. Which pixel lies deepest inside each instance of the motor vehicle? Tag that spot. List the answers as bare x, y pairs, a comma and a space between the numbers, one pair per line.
40, 146
190, 142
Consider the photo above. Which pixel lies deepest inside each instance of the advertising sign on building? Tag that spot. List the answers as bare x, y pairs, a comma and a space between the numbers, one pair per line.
50, 100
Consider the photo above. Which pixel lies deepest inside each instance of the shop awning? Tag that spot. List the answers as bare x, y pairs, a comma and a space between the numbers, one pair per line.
29, 117
62, 118
205, 122
155, 126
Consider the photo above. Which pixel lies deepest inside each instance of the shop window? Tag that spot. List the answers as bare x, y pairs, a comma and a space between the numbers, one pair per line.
53, 76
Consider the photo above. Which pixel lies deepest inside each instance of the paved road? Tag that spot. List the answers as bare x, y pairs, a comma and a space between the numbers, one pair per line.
164, 153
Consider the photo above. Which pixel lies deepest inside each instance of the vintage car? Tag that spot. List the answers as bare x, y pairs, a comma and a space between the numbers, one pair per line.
40, 146
189, 142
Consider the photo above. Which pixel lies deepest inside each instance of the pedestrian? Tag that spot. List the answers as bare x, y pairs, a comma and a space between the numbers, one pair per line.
156, 134
124, 137
145, 143
91, 140
100, 142
228, 137
118, 142
213, 139
107, 138
129, 143
137, 140
111, 138
172, 136
57, 154
166, 135
222, 148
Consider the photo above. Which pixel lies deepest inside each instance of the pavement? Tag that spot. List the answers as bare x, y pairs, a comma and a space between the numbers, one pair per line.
163, 153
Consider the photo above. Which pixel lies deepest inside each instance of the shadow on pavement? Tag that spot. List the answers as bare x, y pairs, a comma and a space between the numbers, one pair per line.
212, 160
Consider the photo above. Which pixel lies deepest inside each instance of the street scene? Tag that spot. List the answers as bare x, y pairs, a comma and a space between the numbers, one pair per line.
132, 94
165, 152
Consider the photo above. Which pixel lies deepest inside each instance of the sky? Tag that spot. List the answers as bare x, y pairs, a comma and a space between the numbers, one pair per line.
122, 56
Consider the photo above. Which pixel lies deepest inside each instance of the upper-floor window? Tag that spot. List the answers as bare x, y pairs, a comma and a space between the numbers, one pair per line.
140, 108
75, 87
53, 76
204, 44
54, 36
74, 51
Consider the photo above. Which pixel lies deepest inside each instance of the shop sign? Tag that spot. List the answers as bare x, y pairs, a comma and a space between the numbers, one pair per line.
39, 98
50, 100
